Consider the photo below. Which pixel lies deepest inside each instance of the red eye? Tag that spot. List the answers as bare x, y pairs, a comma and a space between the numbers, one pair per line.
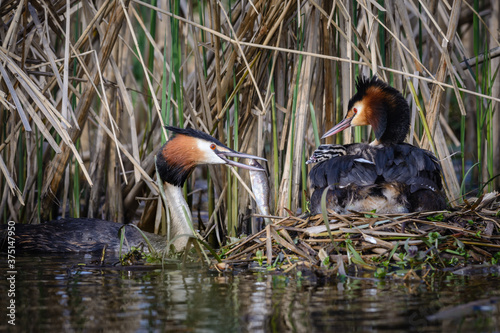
212, 146
355, 110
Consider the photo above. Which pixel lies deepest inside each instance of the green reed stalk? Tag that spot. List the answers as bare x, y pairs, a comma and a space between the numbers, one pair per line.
479, 108
165, 96
491, 111
230, 221
358, 130
294, 111
462, 185
422, 117
484, 119
354, 37
165, 113
210, 184
211, 194
177, 62
489, 128
201, 14
479, 137
152, 28
151, 55
234, 187
276, 169
314, 125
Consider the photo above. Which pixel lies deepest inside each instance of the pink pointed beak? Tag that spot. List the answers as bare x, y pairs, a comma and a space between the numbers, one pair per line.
339, 127
233, 153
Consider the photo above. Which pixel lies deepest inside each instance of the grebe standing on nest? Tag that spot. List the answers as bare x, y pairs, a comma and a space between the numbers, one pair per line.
175, 161
388, 175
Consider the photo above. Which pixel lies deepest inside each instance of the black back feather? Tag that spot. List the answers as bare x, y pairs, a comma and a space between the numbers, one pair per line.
409, 168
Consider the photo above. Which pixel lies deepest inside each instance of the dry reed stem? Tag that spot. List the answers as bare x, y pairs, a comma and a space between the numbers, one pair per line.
441, 84
54, 173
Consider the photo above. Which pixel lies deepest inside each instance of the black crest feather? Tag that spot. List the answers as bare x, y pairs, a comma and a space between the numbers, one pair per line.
392, 110
195, 134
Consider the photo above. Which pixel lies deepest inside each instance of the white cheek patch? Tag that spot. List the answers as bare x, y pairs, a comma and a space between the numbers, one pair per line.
208, 156
355, 118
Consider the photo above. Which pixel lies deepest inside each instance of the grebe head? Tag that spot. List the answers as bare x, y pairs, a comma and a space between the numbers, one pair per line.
379, 105
188, 148
326, 152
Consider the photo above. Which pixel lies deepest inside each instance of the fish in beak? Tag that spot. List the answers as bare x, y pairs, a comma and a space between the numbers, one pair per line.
232, 153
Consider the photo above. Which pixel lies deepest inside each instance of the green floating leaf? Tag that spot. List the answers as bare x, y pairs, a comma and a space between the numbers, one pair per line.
356, 257
436, 218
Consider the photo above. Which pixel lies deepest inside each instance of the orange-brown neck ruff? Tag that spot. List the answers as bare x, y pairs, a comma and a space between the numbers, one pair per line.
181, 154
385, 109
177, 159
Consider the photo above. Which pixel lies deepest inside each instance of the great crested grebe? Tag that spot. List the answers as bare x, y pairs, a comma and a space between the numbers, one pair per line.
388, 175
175, 161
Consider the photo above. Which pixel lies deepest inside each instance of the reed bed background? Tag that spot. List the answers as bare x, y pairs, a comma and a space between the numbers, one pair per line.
87, 86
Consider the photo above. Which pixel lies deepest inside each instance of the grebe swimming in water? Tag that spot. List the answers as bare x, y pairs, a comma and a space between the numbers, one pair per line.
175, 162
388, 175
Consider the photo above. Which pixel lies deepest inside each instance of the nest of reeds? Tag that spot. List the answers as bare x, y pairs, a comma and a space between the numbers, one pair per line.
470, 234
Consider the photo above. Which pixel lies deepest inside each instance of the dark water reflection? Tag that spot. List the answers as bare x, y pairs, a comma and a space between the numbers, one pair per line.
52, 295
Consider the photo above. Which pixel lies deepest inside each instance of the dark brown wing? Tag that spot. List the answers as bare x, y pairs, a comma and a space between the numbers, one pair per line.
400, 163
342, 171
415, 172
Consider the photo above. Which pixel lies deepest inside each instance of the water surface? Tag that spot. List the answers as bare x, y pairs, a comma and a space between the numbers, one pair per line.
54, 294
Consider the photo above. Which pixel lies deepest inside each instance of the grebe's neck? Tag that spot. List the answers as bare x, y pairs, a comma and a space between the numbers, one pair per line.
181, 216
